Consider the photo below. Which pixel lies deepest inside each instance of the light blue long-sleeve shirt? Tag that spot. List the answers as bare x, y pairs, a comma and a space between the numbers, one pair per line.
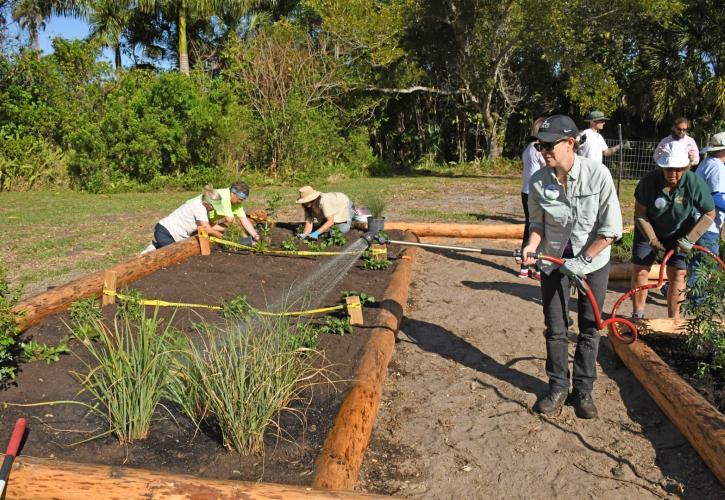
587, 208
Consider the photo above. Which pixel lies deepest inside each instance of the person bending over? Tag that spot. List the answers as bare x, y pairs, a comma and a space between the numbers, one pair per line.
326, 209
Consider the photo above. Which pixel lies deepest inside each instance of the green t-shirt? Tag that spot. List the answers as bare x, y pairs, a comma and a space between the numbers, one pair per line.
673, 214
224, 207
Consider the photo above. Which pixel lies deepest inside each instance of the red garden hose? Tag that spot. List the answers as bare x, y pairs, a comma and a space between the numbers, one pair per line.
613, 322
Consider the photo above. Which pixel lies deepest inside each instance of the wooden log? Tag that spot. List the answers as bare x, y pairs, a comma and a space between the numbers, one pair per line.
109, 284
338, 465
494, 231
51, 479
623, 271
699, 421
35, 309
662, 326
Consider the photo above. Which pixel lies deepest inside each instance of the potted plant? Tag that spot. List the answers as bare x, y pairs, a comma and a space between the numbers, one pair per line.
376, 205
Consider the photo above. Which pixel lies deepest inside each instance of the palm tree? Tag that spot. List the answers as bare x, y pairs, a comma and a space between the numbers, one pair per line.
32, 15
108, 20
185, 9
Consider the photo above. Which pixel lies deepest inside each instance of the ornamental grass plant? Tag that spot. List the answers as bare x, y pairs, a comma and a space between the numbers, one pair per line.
240, 375
131, 371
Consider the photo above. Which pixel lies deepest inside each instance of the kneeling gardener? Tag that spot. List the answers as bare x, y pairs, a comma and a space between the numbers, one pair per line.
575, 215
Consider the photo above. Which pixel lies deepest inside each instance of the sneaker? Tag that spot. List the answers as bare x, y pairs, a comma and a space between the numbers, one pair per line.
551, 403
536, 275
524, 273
583, 404
664, 288
637, 316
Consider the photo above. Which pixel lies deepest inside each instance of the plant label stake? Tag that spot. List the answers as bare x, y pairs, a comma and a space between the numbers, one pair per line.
109, 284
380, 252
204, 242
354, 310
13, 445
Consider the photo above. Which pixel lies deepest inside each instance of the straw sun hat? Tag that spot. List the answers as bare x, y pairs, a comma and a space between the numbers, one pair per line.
307, 194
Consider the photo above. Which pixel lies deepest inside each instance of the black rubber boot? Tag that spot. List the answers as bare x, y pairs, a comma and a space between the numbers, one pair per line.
583, 404
551, 403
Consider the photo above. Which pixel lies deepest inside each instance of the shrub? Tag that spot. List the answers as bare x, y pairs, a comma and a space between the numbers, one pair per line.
9, 297
28, 162
132, 371
84, 315
240, 376
622, 249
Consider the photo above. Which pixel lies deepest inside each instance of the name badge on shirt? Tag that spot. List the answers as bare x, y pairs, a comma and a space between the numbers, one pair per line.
660, 203
551, 192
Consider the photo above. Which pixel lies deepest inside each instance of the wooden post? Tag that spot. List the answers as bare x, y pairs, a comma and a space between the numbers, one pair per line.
380, 252
204, 245
109, 283
354, 310
494, 231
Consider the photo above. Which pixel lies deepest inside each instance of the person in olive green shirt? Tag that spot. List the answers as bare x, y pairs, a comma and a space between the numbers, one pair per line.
673, 208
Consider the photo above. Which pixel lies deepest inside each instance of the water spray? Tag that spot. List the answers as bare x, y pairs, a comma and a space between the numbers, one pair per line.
370, 238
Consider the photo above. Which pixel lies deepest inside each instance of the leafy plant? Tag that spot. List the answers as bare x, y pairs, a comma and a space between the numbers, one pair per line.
335, 326
132, 369
705, 307
9, 297
622, 249
238, 307
235, 233
291, 244
132, 308
365, 299
274, 200
36, 351
305, 336
316, 246
84, 313
240, 375
335, 237
265, 237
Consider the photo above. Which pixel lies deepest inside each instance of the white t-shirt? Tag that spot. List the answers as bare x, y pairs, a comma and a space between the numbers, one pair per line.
594, 147
181, 223
713, 171
336, 205
533, 161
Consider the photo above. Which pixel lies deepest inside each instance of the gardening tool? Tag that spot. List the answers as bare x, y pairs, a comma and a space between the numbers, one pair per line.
613, 323
370, 238
13, 445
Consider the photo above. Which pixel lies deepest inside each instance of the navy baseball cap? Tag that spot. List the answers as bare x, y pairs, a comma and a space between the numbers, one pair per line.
556, 127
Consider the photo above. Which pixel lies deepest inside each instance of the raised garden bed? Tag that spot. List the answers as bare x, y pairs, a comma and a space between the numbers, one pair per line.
174, 444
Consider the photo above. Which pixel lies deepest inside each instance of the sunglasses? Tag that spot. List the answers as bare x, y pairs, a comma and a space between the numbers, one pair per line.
682, 129
546, 146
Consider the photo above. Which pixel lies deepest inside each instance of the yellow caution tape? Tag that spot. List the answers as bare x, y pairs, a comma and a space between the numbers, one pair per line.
304, 253
163, 303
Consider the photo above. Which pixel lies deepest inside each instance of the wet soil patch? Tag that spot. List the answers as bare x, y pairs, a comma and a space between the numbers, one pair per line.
175, 445
674, 351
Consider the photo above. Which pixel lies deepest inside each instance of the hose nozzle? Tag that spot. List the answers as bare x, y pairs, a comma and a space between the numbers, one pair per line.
371, 238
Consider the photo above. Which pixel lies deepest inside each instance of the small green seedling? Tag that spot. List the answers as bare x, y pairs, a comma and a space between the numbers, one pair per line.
335, 326
37, 351
291, 244
365, 299
238, 307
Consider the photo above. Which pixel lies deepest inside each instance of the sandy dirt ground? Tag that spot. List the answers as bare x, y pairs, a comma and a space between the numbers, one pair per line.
455, 419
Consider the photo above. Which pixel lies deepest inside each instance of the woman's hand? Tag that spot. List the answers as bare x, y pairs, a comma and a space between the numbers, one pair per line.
526, 260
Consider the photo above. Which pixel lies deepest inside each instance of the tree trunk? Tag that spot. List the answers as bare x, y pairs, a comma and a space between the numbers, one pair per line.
491, 127
183, 49
117, 55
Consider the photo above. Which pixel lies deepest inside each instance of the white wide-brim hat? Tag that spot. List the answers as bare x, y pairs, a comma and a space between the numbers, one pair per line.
307, 194
717, 143
673, 155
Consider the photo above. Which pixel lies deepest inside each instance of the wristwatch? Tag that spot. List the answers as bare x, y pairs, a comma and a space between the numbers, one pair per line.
587, 258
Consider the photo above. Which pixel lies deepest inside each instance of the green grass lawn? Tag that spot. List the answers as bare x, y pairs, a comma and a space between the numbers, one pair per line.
51, 237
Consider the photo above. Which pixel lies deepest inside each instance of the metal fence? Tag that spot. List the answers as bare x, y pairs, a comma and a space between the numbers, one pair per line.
634, 161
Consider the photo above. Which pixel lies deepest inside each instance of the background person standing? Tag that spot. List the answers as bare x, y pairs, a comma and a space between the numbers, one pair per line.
533, 161
679, 134
591, 143
575, 214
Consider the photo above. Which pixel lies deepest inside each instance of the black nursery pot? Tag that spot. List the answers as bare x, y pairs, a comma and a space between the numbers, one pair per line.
376, 225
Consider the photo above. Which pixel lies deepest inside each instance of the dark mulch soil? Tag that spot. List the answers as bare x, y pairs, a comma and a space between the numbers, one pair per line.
685, 362
173, 445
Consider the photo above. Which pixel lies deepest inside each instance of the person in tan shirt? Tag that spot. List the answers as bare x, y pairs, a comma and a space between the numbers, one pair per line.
327, 209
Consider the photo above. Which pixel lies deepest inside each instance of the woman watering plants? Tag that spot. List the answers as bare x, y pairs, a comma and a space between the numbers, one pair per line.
186, 220
673, 208
575, 215
327, 209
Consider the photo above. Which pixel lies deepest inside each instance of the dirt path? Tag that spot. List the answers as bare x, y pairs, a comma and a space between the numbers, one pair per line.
455, 420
